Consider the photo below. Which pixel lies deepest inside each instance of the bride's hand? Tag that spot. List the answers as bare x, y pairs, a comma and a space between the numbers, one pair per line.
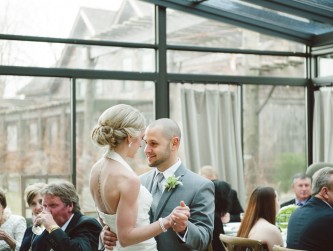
180, 216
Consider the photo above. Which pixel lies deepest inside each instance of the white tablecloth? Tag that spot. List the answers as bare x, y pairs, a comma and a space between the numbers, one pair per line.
231, 228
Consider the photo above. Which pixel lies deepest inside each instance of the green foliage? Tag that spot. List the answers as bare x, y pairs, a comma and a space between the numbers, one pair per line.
283, 216
286, 165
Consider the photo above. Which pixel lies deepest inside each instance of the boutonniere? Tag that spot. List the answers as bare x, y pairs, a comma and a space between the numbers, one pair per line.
172, 182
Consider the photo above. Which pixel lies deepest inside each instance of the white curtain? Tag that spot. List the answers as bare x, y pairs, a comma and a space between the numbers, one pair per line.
212, 133
323, 126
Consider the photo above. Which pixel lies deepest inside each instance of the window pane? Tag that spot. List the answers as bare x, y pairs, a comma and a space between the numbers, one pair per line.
326, 65
187, 29
235, 64
18, 53
115, 20
274, 130
34, 115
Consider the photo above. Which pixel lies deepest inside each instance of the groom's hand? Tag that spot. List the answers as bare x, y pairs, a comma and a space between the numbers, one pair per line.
180, 217
108, 237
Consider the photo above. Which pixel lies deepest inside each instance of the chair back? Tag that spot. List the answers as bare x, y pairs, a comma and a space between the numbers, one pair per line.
230, 243
279, 248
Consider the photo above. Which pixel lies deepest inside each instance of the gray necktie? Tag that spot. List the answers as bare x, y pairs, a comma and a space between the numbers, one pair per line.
157, 191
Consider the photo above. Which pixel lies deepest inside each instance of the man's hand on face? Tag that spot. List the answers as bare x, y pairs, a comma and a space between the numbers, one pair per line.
45, 218
108, 237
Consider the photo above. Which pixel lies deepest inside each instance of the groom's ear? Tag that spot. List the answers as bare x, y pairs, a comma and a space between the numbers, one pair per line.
174, 143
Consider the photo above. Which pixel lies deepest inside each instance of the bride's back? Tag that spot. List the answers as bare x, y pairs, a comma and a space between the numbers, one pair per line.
107, 178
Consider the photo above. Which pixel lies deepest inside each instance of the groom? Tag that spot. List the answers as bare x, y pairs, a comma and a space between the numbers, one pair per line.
162, 139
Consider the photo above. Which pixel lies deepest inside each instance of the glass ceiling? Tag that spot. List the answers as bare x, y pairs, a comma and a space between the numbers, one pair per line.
306, 21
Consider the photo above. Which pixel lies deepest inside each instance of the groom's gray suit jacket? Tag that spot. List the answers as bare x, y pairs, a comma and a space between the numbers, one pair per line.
198, 194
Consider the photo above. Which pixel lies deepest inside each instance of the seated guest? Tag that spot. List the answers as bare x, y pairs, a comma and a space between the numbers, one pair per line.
12, 227
234, 207
222, 204
34, 200
208, 172
301, 185
310, 226
259, 218
65, 226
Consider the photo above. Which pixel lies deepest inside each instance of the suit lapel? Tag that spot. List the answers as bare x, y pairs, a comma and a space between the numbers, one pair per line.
73, 222
147, 180
167, 194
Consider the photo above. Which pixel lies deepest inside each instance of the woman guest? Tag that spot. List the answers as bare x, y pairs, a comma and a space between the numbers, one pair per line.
122, 202
12, 227
34, 200
222, 204
259, 218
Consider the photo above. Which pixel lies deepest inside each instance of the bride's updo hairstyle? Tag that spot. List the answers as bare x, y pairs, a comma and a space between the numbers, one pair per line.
116, 124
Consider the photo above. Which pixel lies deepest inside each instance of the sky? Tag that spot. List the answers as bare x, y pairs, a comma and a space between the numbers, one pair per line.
45, 18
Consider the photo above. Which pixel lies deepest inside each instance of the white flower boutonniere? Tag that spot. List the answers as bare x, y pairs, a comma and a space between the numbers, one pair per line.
172, 182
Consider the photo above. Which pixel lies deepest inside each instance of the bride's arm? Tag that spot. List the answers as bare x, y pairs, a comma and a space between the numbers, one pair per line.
127, 211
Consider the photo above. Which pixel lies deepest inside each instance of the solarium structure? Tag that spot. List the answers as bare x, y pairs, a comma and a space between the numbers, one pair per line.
249, 82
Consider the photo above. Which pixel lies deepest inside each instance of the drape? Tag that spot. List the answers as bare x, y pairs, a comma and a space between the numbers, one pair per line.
212, 133
322, 126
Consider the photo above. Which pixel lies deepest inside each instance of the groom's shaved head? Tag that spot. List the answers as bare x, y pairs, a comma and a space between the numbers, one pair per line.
169, 127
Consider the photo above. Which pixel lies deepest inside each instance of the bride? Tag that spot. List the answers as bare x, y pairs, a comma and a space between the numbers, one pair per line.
121, 201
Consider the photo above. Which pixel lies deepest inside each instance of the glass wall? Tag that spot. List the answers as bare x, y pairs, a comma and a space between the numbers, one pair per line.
187, 29
274, 136
325, 65
126, 21
34, 146
35, 112
235, 64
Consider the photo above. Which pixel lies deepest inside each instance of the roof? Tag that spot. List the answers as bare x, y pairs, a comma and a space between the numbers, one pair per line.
306, 21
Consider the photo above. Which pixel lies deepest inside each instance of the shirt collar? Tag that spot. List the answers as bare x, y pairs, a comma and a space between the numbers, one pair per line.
171, 170
67, 222
303, 201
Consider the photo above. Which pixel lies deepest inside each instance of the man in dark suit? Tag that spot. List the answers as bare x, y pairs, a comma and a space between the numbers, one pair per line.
162, 139
301, 185
310, 226
65, 227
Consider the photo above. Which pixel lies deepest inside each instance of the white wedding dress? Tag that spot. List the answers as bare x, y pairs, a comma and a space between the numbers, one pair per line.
144, 202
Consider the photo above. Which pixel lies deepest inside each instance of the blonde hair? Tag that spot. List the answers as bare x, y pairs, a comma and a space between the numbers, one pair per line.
117, 123
208, 172
32, 190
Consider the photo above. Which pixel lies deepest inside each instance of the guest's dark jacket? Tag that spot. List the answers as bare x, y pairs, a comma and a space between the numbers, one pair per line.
222, 204
235, 208
82, 233
27, 239
310, 227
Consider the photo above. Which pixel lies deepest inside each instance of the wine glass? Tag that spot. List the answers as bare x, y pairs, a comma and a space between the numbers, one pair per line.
37, 229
